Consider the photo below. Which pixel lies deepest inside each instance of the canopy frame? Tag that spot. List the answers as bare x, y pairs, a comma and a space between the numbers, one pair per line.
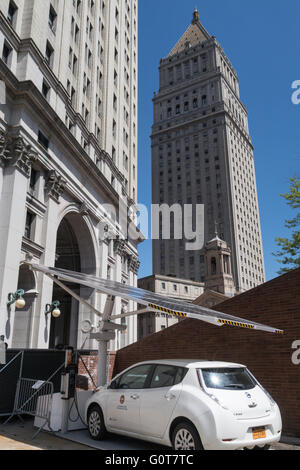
153, 303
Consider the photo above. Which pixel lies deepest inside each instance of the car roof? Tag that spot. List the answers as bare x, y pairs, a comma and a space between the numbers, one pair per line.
193, 363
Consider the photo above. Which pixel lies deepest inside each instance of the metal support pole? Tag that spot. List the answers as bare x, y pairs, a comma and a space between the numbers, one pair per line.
80, 299
65, 392
131, 314
102, 363
103, 345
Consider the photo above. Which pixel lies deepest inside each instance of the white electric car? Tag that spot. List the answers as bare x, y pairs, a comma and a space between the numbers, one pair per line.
189, 405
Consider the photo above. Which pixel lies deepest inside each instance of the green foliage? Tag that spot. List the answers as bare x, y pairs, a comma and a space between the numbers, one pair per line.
289, 253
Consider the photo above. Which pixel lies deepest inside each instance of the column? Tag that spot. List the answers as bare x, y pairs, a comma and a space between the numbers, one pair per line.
16, 158
54, 188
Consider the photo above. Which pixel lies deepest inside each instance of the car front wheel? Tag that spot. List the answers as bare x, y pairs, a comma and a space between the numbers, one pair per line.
186, 437
96, 423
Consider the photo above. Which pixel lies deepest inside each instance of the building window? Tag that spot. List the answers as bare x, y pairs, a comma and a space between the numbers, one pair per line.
42, 139
29, 225
33, 181
49, 54
213, 266
52, 19
45, 90
6, 53
12, 13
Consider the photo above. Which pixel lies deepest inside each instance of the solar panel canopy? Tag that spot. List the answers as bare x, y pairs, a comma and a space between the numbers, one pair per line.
155, 302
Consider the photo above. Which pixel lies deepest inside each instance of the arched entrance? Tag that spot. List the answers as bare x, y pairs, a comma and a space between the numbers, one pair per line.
74, 252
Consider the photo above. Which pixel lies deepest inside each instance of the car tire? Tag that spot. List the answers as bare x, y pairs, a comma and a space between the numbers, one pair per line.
96, 424
186, 437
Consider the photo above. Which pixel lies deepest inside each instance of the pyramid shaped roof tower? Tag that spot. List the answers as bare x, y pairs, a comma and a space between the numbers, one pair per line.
194, 35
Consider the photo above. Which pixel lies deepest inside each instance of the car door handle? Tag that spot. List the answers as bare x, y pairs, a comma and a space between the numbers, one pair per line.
135, 397
170, 396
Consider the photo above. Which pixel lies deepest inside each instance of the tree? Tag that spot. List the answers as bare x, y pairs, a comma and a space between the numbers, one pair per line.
290, 248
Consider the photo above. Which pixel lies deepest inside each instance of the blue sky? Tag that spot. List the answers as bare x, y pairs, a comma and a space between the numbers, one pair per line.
261, 38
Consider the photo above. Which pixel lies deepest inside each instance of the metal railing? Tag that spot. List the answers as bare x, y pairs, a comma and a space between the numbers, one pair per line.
33, 398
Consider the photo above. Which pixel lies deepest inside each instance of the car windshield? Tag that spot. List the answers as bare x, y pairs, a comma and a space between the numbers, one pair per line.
228, 379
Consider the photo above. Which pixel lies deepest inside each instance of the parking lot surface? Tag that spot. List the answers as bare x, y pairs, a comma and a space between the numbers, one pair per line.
18, 436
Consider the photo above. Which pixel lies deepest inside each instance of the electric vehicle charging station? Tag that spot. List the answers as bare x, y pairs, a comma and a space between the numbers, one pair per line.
107, 326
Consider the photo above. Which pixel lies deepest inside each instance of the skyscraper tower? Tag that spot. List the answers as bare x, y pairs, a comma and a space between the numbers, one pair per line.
202, 154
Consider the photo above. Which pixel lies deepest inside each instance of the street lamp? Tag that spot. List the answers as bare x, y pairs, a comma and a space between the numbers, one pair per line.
17, 298
53, 309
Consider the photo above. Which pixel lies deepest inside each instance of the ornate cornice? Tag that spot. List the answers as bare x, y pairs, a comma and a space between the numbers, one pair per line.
4, 148
16, 152
23, 155
134, 264
120, 247
55, 185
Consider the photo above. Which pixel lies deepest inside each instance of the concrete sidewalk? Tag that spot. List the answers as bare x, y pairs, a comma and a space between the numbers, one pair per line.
18, 436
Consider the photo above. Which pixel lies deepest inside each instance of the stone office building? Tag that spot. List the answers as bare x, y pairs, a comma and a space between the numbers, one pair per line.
68, 153
202, 154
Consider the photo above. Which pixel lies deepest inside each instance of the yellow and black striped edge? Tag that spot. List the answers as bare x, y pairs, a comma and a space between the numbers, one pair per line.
219, 321
233, 323
244, 325
166, 310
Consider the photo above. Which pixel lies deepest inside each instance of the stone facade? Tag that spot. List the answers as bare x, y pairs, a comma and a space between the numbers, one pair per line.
180, 289
68, 142
218, 276
202, 154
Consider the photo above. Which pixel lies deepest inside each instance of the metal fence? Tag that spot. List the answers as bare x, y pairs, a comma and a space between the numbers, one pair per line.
33, 398
31, 364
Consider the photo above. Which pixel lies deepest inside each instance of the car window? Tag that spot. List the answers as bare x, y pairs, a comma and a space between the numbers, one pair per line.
166, 376
181, 373
228, 379
135, 378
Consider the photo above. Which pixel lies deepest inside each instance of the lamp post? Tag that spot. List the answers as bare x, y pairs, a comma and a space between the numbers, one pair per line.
17, 298
53, 309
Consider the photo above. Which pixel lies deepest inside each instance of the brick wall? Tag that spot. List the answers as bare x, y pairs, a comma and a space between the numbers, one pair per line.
268, 356
91, 362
